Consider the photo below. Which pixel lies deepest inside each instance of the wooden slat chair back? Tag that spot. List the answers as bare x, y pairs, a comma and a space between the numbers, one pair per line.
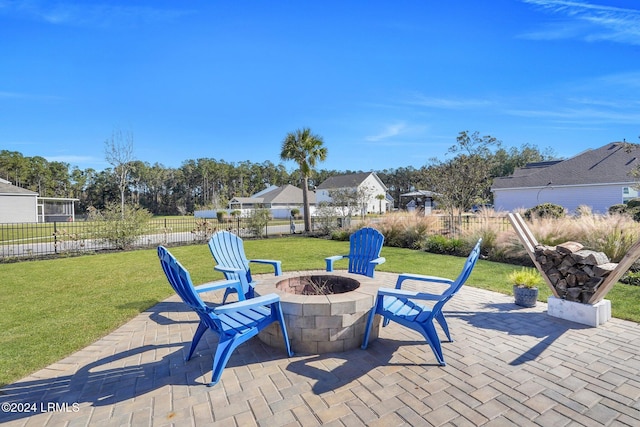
402, 306
365, 246
227, 250
234, 323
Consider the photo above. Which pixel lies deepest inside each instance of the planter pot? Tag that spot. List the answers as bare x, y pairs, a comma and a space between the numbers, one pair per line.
525, 297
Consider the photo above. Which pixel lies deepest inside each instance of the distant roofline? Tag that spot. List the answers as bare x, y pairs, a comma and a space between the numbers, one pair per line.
542, 164
65, 199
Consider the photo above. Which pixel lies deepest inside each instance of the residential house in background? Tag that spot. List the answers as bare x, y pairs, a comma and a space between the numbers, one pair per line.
279, 200
597, 178
366, 183
19, 205
56, 209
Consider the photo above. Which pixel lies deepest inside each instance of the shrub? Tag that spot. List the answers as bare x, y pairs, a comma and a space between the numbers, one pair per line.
553, 231
617, 209
545, 210
221, 216
120, 228
407, 230
634, 213
340, 235
631, 278
509, 249
324, 219
633, 203
443, 245
584, 210
612, 234
257, 221
393, 237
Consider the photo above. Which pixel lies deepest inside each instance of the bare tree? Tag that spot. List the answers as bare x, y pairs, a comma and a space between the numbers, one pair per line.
119, 154
350, 201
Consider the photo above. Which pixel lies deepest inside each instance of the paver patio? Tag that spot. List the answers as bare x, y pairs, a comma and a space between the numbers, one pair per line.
507, 366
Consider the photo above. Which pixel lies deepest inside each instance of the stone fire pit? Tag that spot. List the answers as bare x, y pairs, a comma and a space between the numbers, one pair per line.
332, 322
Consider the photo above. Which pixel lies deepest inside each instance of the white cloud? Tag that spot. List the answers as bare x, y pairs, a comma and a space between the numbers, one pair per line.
448, 103
588, 21
388, 132
398, 134
89, 15
629, 80
580, 115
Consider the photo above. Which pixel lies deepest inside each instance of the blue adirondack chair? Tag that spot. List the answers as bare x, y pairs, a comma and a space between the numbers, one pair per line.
401, 305
364, 252
234, 323
227, 250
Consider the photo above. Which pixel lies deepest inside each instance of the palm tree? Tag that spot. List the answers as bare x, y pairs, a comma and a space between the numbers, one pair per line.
380, 197
305, 149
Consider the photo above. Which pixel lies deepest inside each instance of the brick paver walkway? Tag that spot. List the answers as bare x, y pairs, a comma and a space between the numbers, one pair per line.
507, 366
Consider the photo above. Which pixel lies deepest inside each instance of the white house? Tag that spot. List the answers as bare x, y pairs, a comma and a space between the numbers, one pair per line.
597, 178
367, 183
279, 200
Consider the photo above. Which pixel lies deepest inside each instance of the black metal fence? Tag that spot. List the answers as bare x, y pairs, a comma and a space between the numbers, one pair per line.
29, 240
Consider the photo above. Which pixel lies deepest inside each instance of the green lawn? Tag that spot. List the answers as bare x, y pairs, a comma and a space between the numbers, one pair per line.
52, 308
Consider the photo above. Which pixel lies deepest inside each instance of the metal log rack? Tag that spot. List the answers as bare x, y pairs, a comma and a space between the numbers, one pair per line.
530, 243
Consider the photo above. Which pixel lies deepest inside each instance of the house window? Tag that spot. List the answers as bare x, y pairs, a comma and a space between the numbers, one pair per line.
628, 193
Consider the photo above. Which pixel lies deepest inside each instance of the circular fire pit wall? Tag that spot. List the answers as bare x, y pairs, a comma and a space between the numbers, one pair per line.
318, 284
323, 312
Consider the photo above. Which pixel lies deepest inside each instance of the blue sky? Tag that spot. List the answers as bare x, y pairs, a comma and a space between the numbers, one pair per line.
387, 84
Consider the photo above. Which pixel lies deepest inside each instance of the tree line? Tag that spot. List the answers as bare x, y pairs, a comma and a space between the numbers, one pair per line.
462, 179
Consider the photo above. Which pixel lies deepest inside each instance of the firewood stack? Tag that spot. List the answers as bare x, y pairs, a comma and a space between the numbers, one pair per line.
575, 272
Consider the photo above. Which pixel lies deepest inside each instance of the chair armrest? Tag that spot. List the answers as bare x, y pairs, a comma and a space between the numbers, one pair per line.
277, 265
330, 260
221, 284
401, 293
373, 264
224, 269
240, 274
260, 301
423, 278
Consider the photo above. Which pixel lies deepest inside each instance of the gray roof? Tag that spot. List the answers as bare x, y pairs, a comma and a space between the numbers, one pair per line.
6, 188
347, 181
284, 194
265, 191
247, 199
527, 169
609, 164
287, 194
